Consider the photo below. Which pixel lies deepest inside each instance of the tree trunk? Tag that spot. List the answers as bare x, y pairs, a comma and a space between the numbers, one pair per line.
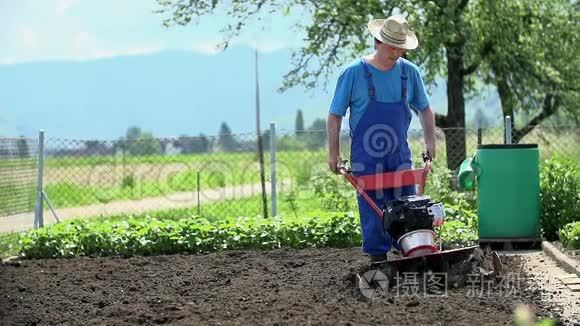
507, 102
454, 123
549, 107
508, 105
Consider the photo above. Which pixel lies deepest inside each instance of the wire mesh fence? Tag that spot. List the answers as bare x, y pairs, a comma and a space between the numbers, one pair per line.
17, 175
216, 176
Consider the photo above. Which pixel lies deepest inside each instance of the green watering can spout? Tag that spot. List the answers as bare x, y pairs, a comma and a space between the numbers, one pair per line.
466, 176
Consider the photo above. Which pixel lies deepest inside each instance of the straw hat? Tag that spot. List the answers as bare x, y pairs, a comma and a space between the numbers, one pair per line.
394, 31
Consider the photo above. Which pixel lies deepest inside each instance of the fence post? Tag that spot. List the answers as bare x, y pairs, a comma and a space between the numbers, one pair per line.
38, 210
273, 167
508, 130
479, 136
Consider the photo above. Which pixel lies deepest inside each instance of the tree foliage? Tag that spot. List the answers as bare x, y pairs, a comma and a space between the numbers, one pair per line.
22, 147
189, 144
226, 140
531, 57
136, 142
299, 125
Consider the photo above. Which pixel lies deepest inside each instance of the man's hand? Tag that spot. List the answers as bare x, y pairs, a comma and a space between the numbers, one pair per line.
427, 119
431, 149
333, 163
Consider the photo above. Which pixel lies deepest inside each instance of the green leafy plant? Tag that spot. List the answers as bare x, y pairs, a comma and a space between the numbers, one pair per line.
460, 225
194, 235
570, 235
333, 192
128, 181
439, 189
290, 199
560, 195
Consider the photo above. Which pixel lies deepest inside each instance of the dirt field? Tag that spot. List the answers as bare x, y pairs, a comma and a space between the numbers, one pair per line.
239, 287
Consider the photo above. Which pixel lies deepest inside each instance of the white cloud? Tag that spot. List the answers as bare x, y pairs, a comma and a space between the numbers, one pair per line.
61, 6
94, 54
266, 46
209, 47
212, 47
27, 37
85, 46
140, 50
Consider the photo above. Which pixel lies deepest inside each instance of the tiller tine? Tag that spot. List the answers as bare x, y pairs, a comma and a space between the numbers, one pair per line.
435, 262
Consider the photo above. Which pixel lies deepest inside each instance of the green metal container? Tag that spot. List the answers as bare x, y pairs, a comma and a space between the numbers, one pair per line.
508, 192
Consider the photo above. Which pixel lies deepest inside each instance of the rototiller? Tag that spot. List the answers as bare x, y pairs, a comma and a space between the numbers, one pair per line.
410, 220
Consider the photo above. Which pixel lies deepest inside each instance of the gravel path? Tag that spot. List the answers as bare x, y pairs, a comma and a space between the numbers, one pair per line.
552, 293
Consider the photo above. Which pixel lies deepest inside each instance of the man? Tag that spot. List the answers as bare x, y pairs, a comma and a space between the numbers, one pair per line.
380, 89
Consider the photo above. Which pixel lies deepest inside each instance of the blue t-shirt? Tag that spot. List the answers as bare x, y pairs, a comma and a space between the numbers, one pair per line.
352, 89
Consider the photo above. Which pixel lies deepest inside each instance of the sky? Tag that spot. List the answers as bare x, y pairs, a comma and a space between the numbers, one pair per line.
48, 32
43, 30
52, 31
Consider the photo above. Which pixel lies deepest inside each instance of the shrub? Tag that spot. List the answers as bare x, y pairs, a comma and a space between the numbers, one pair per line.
570, 235
560, 195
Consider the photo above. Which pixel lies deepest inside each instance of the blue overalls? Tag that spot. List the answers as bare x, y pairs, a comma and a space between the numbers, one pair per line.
379, 144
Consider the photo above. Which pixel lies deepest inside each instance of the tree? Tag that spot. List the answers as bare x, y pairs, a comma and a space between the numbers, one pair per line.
299, 126
133, 133
542, 77
190, 144
93, 147
137, 142
317, 134
266, 139
459, 39
146, 144
22, 147
226, 140
480, 120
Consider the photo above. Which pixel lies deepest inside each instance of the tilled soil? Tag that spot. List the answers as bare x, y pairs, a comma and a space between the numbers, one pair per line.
284, 286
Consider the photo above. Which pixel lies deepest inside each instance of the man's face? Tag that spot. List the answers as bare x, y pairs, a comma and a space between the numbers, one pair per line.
389, 53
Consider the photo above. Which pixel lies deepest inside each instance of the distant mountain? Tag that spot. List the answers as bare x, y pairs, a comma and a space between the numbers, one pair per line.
167, 93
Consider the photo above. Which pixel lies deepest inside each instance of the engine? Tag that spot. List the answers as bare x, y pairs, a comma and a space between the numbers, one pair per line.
410, 220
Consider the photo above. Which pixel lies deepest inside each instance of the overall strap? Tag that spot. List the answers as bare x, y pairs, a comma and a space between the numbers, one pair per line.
404, 87
369, 78
403, 81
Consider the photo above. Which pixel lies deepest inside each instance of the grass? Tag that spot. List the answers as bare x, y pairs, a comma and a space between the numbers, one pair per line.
201, 158
16, 196
68, 194
244, 207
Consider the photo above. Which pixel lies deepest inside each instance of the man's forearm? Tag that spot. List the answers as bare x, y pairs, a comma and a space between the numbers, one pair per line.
333, 128
427, 119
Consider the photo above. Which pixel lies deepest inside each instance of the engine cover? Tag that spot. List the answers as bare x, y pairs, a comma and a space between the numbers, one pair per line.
411, 213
